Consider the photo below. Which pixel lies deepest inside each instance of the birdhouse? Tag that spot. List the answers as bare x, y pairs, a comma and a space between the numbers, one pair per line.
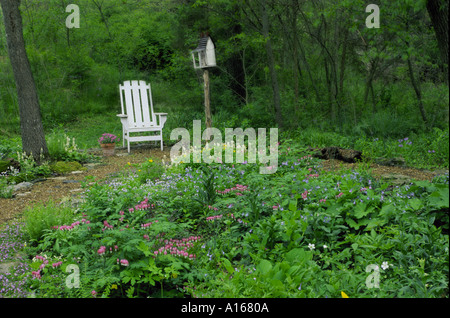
204, 55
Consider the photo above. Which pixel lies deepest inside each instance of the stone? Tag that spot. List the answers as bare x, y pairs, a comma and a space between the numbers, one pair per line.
23, 194
70, 181
93, 165
58, 178
396, 179
22, 186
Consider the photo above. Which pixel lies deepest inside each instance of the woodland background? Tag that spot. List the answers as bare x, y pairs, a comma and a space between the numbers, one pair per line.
288, 63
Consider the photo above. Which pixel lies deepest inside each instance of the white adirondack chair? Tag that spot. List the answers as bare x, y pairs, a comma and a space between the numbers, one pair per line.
137, 113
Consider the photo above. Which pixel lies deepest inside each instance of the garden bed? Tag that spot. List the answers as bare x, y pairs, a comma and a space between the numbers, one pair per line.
313, 229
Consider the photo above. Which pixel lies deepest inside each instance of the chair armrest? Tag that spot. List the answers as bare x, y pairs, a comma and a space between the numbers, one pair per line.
123, 120
162, 118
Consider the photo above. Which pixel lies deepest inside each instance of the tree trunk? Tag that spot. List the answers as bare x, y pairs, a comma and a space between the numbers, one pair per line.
416, 87
33, 138
271, 62
438, 11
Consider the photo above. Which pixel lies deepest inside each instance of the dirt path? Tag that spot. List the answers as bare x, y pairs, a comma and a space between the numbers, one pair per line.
57, 188
69, 185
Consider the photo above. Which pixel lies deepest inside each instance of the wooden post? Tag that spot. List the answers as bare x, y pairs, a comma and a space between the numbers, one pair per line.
207, 98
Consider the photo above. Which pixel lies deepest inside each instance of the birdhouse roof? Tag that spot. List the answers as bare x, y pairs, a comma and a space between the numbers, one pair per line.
202, 44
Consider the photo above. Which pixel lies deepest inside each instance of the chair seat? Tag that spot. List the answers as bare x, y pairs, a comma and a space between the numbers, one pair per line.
143, 129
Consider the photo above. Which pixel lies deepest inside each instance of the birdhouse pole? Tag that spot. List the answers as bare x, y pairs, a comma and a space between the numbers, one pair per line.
207, 98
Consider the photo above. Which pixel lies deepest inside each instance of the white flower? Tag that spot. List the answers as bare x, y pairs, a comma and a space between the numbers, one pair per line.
311, 246
385, 265
325, 247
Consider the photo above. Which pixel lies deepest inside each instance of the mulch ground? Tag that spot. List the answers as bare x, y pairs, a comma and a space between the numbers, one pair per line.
57, 188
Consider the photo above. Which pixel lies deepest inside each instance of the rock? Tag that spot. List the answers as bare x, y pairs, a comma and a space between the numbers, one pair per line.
22, 186
396, 179
93, 165
346, 155
23, 194
70, 181
59, 178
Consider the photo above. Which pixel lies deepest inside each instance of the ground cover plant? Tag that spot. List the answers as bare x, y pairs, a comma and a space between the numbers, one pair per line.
224, 230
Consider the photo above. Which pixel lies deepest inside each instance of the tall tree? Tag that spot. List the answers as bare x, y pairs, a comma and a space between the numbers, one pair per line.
271, 62
438, 11
33, 138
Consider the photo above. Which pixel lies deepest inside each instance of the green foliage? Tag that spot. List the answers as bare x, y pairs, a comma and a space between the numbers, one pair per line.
62, 147
149, 171
300, 232
63, 167
44, 216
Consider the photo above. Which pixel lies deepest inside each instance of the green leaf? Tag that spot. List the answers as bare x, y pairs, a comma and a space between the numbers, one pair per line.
264, 267
416, 204
439, 199
352, 223
298, 255
293, 205
387, 210
361, 210
227, 265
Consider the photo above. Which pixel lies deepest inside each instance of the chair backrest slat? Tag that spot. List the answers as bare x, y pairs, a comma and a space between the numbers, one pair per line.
136, 96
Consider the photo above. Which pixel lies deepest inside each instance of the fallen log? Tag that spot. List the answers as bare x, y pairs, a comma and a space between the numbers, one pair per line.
346, 155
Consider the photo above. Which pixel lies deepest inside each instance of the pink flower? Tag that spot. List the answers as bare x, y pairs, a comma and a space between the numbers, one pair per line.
305, 195
101, 250
94, 293
36, 274
124, 262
